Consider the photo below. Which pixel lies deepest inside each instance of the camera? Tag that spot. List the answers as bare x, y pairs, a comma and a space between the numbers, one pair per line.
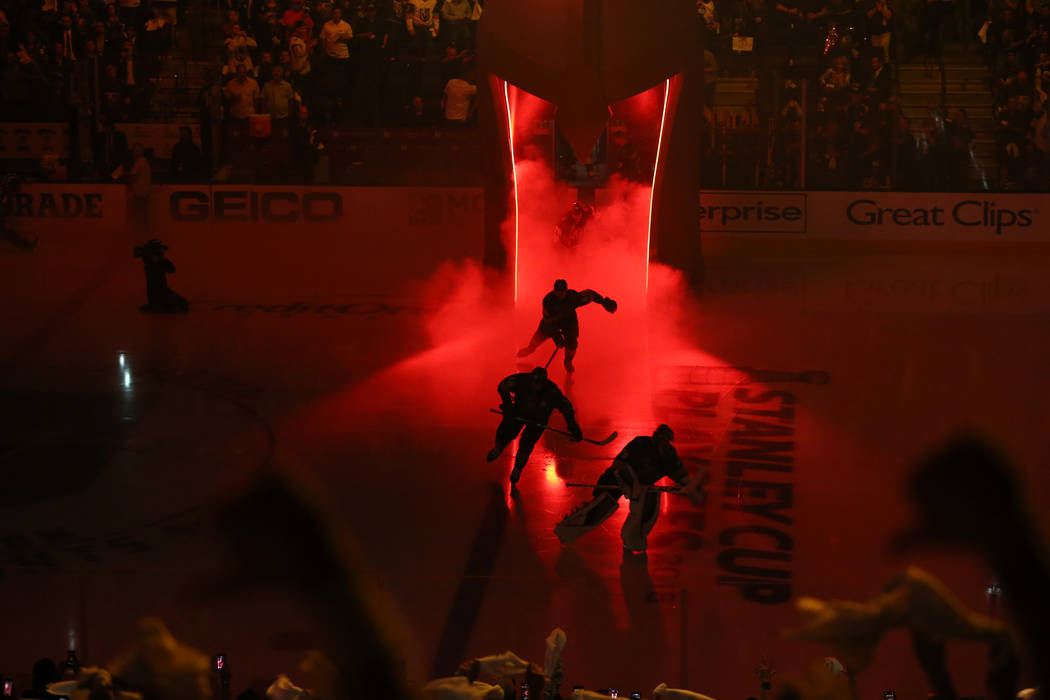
153, 246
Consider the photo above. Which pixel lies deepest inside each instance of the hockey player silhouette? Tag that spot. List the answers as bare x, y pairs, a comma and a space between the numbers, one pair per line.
560, 322
572, 223
527, 401
634, 473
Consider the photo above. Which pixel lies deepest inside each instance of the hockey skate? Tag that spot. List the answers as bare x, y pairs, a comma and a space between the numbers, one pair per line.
515, 473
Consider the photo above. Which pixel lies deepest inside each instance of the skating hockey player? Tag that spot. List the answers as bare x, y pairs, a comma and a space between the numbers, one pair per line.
527, 401
560, 322
633, 474
157, 267
572, 223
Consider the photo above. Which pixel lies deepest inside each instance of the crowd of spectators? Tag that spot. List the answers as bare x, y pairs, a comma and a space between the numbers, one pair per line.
291, 66
822, 66
1018, 41
349, 61
58, 53
298, 65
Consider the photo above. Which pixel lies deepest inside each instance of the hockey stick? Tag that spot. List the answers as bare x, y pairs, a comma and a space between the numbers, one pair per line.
606, 441
660, 489
556, 349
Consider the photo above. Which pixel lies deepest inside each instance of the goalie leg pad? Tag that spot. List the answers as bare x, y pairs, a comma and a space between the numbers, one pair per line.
640, 521
586, 517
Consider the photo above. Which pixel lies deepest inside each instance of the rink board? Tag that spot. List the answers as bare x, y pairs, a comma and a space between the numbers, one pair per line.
122, 431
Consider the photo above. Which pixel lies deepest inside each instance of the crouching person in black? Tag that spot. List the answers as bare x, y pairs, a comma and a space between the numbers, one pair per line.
161, 299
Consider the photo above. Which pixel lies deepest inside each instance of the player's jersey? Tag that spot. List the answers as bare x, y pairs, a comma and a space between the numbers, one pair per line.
561, 313
535, 403
650, 464
423, 13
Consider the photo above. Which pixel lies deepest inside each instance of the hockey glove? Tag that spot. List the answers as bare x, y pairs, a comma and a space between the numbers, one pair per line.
697, 496
609, 304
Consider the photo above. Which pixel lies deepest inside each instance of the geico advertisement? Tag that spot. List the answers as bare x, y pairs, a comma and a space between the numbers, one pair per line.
869, 215
407, 206
279, 206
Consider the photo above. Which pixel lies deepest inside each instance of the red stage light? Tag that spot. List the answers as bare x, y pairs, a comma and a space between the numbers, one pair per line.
652, 192
514, 179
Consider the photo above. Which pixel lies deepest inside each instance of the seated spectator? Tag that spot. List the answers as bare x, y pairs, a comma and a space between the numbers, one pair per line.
322, 12
241, 93
861, 148
229, 27
836, 80
878, 84
238, 50
137, 80
284, 60
270, 35
454, 61
263, 71
879, 18
300, 47
423, 23
69, 44
458, 100
455, 22
186, 158
278, 96
336, 36
294, 16
115, 100
706, 21
115, 34
33, 47
847, 46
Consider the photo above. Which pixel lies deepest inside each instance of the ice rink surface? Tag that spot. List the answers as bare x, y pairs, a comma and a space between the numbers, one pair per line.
121, 431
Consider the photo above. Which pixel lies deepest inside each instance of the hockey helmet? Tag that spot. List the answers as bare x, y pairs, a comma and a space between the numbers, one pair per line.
561, 286
539, 374
664, 432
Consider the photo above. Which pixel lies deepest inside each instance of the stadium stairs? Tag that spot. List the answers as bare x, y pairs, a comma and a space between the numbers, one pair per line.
967, 85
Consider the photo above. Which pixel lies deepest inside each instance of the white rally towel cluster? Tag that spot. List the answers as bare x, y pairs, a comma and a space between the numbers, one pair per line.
662, 692
459, 688
505, 665
555, 646
284, 689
